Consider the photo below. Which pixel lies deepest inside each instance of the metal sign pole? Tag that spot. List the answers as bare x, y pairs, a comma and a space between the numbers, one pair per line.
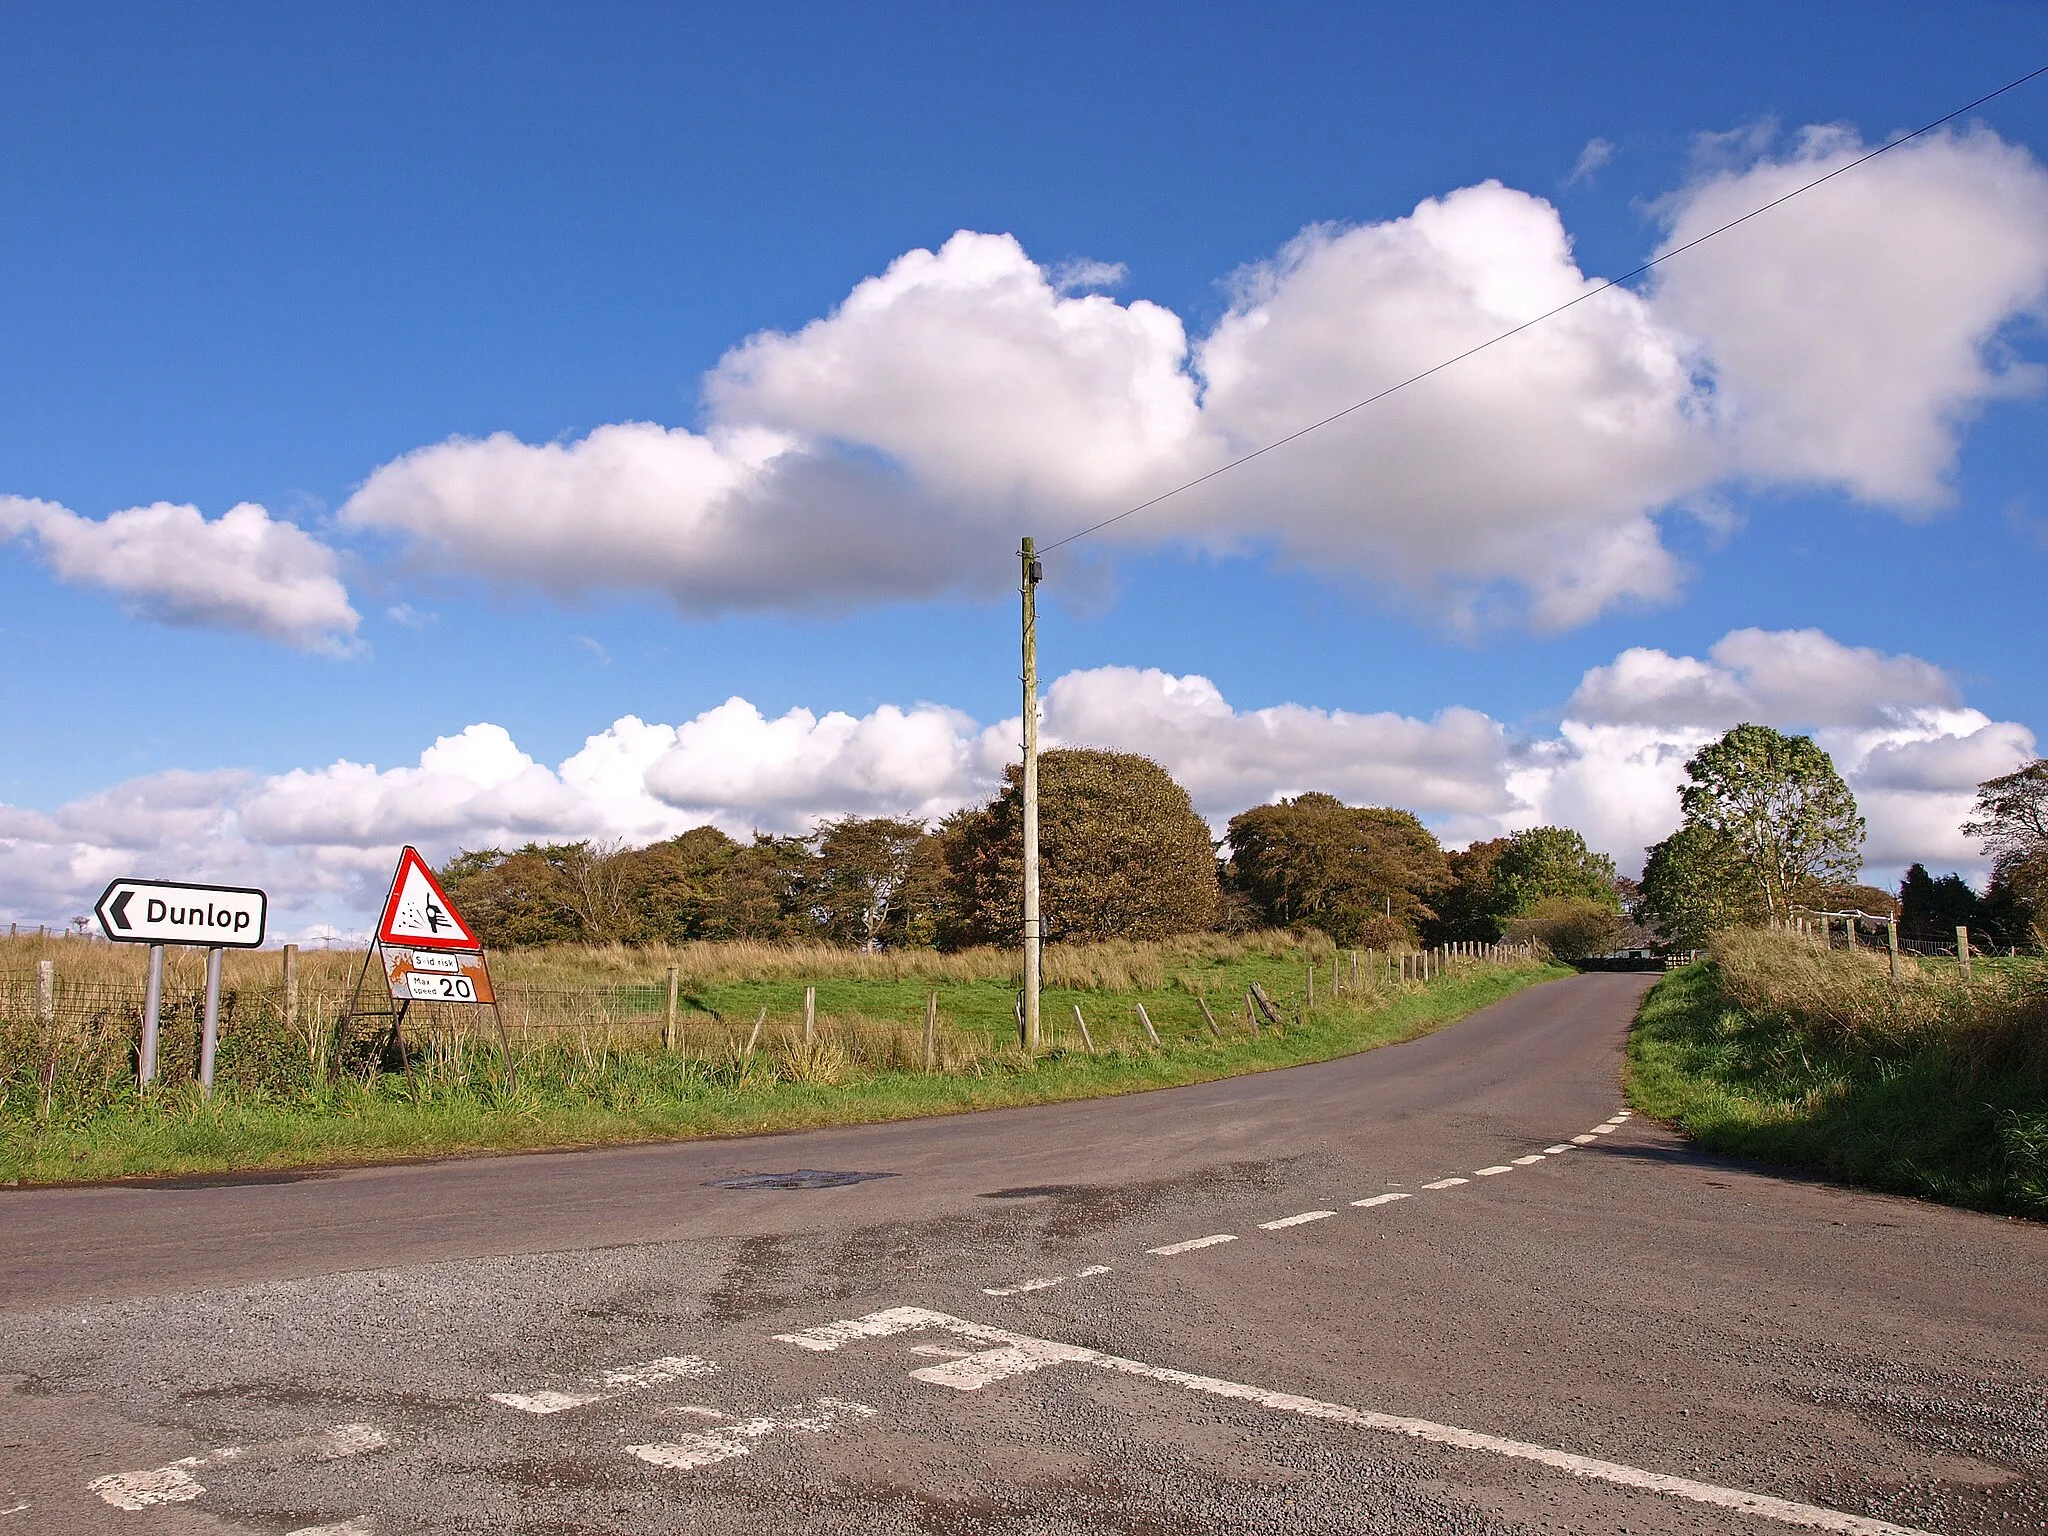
209, 1037
152, 1012
505, 1040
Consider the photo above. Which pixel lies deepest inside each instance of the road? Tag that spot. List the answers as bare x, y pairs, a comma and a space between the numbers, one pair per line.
1447, 1286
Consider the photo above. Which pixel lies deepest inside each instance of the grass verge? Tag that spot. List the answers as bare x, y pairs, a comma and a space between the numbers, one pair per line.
647, 1096
1909, 1112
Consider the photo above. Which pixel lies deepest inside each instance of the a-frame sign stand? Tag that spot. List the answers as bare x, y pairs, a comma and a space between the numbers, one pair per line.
428, 954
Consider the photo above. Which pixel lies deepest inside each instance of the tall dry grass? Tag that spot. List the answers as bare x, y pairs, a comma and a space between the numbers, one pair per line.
1995, 1021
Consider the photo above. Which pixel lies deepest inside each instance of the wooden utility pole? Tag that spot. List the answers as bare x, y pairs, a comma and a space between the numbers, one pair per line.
1033, 572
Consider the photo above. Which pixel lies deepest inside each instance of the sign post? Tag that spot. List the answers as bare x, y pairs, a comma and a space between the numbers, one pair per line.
429, 955
160, 912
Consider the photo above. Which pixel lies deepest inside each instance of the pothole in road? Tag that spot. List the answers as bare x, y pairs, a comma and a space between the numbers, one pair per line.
803, 1178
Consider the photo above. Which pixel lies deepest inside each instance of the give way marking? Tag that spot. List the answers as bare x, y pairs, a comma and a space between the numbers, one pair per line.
1006, 1354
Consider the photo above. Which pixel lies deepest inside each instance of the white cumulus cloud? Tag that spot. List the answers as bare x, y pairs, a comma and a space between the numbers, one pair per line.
244, 570
895, 447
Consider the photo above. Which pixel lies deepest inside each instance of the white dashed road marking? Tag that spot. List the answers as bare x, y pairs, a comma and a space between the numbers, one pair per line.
1193, 1243
729, 1440
611, 1384
1523, 1162
1015, 1354
1021, 1286
1560, 1147
1301, 1220
1387, 1199
1487, 1173
1583, 1140
363, 1526
1446, 1183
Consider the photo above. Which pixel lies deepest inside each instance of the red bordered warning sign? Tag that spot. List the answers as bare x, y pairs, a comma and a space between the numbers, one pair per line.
418, 913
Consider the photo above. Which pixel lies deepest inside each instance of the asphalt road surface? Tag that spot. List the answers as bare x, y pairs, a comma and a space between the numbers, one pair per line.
1447, 1287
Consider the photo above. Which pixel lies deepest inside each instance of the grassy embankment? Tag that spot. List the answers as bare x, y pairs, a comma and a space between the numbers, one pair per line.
1780, 1050
587, 1022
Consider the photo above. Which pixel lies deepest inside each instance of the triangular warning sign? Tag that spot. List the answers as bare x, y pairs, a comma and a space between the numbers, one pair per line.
418, 911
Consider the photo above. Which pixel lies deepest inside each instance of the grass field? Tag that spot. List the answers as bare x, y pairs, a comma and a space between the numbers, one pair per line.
587, 1030
1784, 1052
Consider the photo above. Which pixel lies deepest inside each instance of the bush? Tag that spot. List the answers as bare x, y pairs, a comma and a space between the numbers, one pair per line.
1570, 927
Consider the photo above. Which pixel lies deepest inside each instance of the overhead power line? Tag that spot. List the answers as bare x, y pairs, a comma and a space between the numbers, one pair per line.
1548, 314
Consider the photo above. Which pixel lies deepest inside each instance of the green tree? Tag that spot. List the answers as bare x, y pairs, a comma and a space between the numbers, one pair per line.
1695, 883
1780, 802
2012, 821
523, 897
861, 877
1362, 874
1932, 907
1544, 862
1122, 855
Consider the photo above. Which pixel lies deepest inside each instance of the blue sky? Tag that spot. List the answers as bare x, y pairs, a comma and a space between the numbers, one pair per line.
254, 254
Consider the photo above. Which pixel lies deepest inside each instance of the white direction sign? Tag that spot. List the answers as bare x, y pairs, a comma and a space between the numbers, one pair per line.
167, 912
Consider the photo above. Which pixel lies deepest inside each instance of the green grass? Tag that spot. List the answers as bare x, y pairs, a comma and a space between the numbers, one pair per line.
1909, 1114
579, 1097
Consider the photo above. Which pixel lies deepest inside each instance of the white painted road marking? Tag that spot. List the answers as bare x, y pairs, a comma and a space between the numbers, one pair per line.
1446, 1183
1193, 1243
1553, 1151
1487, 1173
654, 1373
1523, 1162
1014, 1354
1301, 1220
361, 1526
174, 1483
1020, 1287
1582, 1140
730, 1440
1387, 1199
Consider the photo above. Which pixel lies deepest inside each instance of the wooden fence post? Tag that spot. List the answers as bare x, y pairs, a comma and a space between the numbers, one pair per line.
1311, 985
810, 1014
1962, 950
668, 1026
1891, 934
1086, 1038
1146, 1019
754, 1039
291, 986
1208, 1018
46, 1015
1251, 1014
931, 1031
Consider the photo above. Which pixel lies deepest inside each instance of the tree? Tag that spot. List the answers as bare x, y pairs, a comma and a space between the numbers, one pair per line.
522, 897
1695, 884
1470, 906
1122, 855
1781, 804
2012, 813
1361, 874
1932, 909
862, 869
1544, 862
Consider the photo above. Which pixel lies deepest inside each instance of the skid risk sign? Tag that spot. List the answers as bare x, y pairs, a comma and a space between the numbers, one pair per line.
169, 912
418, 912
438, 976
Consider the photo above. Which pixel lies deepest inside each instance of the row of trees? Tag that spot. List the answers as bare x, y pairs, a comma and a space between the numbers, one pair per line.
1769, 825
1124, 855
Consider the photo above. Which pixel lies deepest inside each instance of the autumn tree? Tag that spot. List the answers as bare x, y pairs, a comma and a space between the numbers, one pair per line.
1361, 874
1781, 805
1122, 854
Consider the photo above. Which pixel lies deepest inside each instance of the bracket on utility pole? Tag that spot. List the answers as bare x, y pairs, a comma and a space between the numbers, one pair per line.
1033, 573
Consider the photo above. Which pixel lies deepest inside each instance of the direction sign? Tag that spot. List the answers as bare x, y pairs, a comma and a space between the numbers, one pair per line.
418, 913
169, 912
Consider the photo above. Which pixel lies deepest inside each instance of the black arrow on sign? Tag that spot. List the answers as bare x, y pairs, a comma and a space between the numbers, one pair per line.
119, 910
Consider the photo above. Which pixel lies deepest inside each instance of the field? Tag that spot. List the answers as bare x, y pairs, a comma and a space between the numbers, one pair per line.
1787, 1052
595, 1058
